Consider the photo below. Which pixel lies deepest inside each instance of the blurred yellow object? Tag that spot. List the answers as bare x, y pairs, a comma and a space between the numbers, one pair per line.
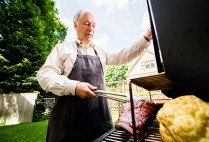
184, 119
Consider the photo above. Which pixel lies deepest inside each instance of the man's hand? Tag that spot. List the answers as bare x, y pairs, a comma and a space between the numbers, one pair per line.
84, 90
148, 35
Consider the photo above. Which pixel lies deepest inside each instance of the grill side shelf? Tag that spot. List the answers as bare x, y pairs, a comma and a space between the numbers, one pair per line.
154, 82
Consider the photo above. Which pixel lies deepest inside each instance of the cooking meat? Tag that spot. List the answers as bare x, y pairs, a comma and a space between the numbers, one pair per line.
145, 113
184, 119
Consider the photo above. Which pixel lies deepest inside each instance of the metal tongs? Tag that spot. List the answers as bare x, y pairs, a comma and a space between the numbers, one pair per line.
102, 93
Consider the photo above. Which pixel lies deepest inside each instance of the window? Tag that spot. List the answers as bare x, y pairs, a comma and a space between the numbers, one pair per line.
143, 65
152, 63
147, 64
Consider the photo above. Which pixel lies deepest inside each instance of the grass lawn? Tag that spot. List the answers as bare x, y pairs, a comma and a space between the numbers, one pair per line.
28, 132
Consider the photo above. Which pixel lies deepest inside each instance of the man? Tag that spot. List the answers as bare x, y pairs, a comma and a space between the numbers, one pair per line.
72, 71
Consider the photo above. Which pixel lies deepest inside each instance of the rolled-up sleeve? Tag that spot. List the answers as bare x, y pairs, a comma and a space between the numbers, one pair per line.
52, 76
127, 54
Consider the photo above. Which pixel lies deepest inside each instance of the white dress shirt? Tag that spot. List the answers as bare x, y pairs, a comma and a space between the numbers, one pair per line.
52, 76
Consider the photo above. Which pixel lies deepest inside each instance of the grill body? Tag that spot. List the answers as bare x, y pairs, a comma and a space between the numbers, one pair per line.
180, 38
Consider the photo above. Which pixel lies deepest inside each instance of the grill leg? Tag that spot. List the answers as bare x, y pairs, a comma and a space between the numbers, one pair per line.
132, 112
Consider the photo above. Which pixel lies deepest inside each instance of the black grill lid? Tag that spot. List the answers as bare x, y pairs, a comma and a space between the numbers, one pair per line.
181, 35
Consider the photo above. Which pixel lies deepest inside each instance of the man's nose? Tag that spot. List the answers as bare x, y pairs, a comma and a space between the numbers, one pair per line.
91, 27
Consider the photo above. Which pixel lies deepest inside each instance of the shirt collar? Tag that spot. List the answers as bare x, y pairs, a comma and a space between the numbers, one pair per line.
82, 45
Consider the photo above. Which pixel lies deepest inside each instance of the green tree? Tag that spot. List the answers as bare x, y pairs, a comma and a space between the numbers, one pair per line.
115, 74
29, 29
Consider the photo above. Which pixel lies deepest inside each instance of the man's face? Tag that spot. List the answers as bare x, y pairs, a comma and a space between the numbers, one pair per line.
85, 27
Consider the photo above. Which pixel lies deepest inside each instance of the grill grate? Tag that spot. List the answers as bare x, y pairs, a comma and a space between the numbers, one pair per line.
122, 136
118, 136
154, 136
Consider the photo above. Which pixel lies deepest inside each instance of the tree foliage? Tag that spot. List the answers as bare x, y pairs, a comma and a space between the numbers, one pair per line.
29, 29
115, 74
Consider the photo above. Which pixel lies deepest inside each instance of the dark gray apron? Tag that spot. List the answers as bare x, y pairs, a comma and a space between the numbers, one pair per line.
74, 119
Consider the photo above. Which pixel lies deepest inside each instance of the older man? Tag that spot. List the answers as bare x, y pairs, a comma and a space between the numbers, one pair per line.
72, 71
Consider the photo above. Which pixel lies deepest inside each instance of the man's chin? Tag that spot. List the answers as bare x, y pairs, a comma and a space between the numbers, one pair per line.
90, 39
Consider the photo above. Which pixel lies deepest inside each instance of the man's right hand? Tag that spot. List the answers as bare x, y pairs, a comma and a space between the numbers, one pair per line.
84, 90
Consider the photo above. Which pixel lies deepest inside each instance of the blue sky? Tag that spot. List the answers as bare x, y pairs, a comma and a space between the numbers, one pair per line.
119, 22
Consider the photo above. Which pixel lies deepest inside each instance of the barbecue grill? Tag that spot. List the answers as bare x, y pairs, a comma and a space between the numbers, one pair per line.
181, 45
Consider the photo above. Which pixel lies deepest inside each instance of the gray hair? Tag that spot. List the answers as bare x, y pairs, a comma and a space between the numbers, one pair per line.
77, 15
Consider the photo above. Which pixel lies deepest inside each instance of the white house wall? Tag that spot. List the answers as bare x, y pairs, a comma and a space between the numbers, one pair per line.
137, 71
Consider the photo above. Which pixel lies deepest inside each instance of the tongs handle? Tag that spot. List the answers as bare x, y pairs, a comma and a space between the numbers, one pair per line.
102, 93
112, 93
112, 98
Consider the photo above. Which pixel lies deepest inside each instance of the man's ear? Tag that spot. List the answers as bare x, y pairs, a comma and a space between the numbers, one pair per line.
75, 25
